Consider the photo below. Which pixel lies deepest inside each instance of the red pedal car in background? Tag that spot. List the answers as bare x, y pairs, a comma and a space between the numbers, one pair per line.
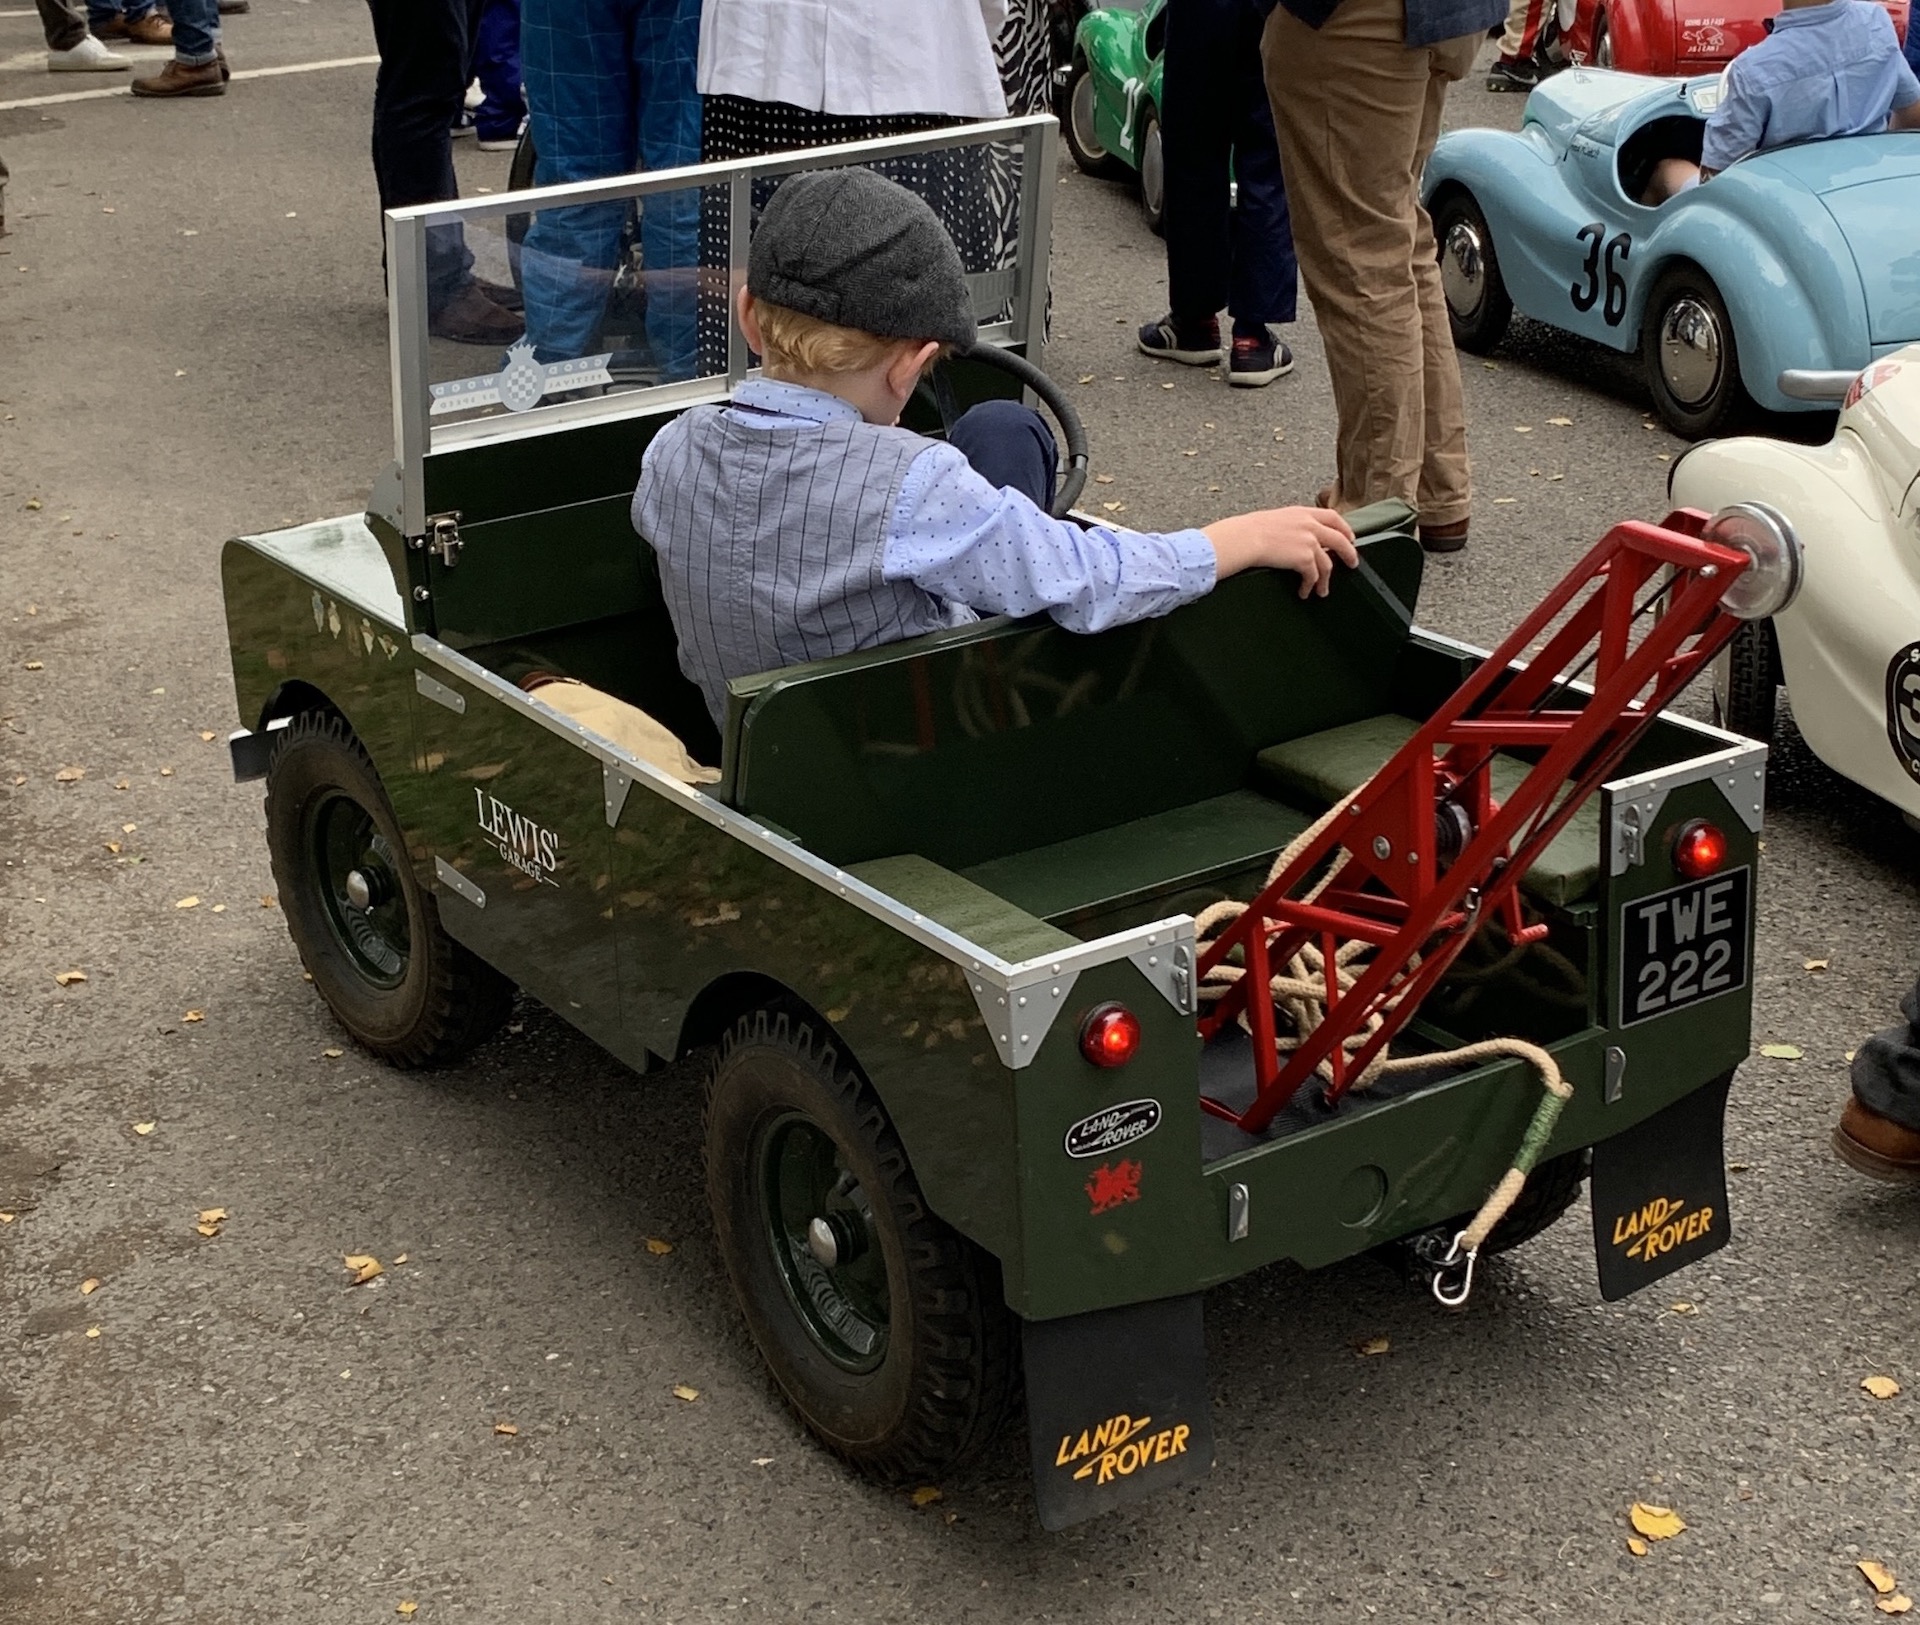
1668, 37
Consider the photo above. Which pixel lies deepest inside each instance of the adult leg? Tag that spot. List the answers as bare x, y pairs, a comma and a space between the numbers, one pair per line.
63, 22
1518, 65
576, 56
196, 32
666, 42
1196, 142
1348, 105
1009, 445
1445, 495
1879, 1132
1265, 279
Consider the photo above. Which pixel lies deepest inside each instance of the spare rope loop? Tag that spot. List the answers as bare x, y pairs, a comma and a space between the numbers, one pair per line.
1299, 991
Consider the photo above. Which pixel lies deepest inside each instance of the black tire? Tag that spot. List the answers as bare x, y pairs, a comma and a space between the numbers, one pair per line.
1153, 174
1602, 42
391, 975
1753, 681
1076, 125
1548, 1193
900, 1356
1479, 308
1689, 354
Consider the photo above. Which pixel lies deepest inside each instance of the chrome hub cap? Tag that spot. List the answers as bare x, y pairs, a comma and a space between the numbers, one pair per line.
1153, 172
1463, 269
1080, 112
1691, 350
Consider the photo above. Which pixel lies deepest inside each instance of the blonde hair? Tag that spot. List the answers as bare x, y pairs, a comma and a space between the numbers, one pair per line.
796, 342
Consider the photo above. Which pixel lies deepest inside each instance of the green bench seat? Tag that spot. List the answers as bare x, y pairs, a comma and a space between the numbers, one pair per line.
1319, 769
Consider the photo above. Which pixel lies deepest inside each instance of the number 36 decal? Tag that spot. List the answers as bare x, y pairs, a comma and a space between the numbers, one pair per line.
1612, 255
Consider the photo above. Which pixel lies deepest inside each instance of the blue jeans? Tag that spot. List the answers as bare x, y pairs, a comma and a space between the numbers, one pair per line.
1010, 446
496, 63
610, 89
196, 31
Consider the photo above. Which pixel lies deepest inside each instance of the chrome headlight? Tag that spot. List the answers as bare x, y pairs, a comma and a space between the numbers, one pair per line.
1771, 580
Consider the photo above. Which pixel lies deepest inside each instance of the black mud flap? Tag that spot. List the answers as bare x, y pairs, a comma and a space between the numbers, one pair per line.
1117, 1406
1660, 1192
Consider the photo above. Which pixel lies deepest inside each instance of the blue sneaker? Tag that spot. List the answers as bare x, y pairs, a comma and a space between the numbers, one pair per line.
1257, 358
1194, 344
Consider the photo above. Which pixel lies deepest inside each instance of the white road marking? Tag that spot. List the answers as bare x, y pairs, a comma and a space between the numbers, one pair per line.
120, 88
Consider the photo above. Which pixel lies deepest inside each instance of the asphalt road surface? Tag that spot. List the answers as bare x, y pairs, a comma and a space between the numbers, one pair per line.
192, 345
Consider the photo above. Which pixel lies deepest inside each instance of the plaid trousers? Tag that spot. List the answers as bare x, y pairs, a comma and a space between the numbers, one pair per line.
610, 89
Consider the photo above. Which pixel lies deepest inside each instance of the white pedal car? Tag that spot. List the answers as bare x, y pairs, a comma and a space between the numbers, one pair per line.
1847, 644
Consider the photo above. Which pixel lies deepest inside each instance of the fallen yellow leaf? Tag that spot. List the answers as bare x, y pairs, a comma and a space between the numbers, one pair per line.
1880, 1387
682, 1391
399, 1258
1685, 1308
406, 1610
208, 1229
1899, 1603
188, 902
113, 847
195, 1015
1637, 1546
144, 1129
66, 978
70, 775
1814, 964
8, 1218
1781, 1052
364, 1266
206, 733
213, 1215
93, 1331
332, 1054
1656, 1523
926, 1495
1373, 1345
89, 1286
657, 1247
506, 1429
1561, 423
267, 902
1879, 1576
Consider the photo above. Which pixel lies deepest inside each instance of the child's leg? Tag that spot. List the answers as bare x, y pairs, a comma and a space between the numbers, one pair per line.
1671, 177
1009, 445
497, 63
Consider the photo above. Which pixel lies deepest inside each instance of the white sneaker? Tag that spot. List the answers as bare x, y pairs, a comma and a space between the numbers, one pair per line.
89, 56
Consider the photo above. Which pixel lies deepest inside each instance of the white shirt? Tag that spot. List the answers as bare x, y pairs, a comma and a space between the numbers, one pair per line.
856, 57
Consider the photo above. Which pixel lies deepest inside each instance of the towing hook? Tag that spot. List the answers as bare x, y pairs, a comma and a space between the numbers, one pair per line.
1453, 1277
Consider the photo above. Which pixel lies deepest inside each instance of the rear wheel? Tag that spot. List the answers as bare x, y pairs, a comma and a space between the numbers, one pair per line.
1478, 306
1602, 42
1687, 347
1153, 173
886, 1329
1753, 681
1077, 125
1544, 1199
368, 933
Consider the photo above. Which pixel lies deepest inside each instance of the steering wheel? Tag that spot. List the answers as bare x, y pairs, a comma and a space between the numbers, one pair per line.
1073, 432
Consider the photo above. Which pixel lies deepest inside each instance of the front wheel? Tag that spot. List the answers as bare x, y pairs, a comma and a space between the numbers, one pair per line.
1602, 42
1687, 348
1153, 173
1077, 123
886, 1330
1752, 691
368, 933
1478, 306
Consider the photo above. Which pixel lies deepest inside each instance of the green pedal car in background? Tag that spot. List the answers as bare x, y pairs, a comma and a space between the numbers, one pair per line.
1110, 98
928, 911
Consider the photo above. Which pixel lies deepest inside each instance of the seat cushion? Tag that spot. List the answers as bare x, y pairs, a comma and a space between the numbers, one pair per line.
624, 725
1320, 769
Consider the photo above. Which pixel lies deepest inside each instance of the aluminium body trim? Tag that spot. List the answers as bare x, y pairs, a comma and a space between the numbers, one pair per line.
1002, 988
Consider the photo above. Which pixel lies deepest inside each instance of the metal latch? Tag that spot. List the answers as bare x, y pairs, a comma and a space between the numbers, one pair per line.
443, 538
1632, 838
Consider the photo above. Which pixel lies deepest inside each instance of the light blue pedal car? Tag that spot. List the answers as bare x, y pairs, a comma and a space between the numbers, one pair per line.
1805, 257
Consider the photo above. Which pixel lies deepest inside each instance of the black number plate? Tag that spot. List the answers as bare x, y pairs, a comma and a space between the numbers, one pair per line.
1681, 946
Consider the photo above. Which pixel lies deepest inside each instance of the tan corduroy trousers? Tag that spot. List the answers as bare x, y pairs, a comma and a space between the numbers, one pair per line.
1358, 112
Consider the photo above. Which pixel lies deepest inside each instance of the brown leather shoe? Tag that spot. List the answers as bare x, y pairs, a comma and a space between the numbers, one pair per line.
179, 79
470, 317
1444, 538
1877, 1146
152, 29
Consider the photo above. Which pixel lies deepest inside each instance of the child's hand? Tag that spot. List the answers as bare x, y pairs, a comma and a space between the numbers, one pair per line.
1306, 540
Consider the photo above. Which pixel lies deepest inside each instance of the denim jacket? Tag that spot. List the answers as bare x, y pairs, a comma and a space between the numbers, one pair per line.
1428, 21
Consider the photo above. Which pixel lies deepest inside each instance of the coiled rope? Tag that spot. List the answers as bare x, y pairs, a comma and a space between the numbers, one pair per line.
1299, 993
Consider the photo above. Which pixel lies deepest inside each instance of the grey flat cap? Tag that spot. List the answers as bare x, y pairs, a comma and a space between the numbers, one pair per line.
850, 247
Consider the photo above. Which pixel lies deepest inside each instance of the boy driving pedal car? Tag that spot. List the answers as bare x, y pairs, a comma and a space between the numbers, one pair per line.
798, 521
1826, 68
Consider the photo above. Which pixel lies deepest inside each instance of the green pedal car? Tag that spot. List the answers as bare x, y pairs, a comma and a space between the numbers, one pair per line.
928, 911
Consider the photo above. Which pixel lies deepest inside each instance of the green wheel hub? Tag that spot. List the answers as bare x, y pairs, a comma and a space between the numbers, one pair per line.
357, 876
820, 1228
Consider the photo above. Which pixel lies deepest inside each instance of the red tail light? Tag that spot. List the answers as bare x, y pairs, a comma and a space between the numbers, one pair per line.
1110, 1035
1699, 850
